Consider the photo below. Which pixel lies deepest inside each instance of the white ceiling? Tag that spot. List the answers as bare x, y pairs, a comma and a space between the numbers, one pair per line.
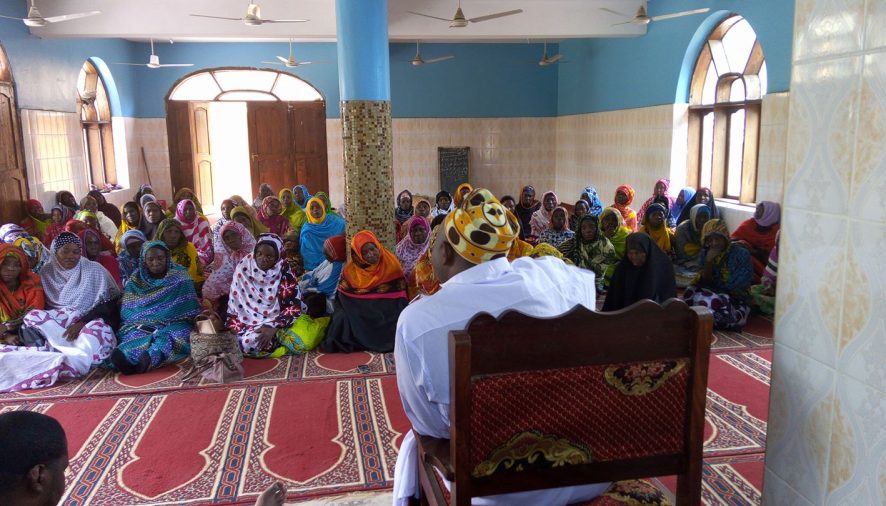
169, 19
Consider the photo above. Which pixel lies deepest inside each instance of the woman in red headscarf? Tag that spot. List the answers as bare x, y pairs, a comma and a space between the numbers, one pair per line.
371, 295
20, 292
624, 195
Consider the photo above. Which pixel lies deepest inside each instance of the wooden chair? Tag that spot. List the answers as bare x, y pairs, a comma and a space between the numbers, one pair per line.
582, 398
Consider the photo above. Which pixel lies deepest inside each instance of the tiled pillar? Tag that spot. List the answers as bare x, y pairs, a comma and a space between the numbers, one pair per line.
826, 441
367, 144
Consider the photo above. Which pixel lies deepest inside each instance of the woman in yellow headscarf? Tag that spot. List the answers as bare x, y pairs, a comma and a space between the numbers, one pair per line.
320, 226
292, 212
245, 215
460, 192
654, 225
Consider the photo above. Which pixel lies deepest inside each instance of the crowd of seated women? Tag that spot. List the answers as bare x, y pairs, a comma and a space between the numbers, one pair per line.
89, 285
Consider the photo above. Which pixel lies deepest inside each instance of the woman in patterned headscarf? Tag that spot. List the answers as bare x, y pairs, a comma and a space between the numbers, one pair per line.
236, 243
130, 251
541, 219
590, 249
590, 196
410, 249
624, 196
270, 216
371, 295
75, 332
724, 281
558, 230
186, 194
256, 317
181, 249
59, 215
157, 313
20, 292
659, 194
196, 230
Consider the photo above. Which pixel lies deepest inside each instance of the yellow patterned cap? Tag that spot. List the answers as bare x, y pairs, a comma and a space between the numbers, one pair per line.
480, 229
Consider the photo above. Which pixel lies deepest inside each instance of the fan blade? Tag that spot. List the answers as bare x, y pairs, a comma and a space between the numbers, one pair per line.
680, 14
285, 20
555, 58
495, 16
625, 23
68, 17
132, 64
615, 12
215, 17
273, 63
429, 16
284, 60
176, 65
441, 58
10, 17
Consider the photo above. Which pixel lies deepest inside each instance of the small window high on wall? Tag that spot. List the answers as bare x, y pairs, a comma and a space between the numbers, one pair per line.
725, 96
95, 120
244, 85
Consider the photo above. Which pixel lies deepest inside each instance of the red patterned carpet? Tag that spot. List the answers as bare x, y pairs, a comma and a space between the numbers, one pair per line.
324, 425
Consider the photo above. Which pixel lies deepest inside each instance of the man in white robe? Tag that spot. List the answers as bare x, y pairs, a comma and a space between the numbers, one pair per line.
476, 277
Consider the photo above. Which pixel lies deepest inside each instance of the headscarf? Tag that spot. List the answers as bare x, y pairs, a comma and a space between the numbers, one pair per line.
109, 210
292, 209
733, 269
541, 219
425, 278
254, 292
80, 288
10, 232
458, 197
408, 252
525, 213
588, 254
435, 211
694, 212
277, 224
147, 197
327, 202
259, 199
712, 205
34, 250
771, 213
400, 215
257, 227
83, 214
661, 236
359, 277
28, 295
219, 282
630, 217
56, 228
621, 230
665, 199
687, 193
183, 253
315, 232
196, 231
594, 202
124, 225
239, 201
34, 208
653, 280
418, 200
128, 263
58, 200
547, 250
179, 196
158, 301
481, 228
304, 190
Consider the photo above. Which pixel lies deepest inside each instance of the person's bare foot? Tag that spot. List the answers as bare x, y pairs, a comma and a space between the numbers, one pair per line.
273, 496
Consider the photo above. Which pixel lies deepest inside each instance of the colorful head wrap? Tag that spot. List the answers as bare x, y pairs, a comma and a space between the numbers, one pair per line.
360, 277
459, 190
35, 250
714, 227
304, 190
595, 205
628, 191
481, 229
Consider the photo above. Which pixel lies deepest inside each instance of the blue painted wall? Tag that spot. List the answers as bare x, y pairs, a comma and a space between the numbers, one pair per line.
612, 74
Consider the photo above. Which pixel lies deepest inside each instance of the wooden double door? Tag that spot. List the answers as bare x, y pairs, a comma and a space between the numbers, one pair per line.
287, 146
13, 182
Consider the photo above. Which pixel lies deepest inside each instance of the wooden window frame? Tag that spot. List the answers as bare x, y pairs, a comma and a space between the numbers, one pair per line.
94, 109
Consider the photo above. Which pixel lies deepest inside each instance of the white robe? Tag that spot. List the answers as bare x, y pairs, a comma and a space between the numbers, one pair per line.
542, 287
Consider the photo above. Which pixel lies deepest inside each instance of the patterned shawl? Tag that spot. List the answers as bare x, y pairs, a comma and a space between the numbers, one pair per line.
28, 295
595, 254
219, 282
187, 194
593, 200
80, 288
541, 219
196, 231
128, 263
425, 279
10, 232
254, 293
158, 301
408, 252
384, 279
733, 270
277, 224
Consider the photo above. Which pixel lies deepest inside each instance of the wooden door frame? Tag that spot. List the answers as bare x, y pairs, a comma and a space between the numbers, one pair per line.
16, 116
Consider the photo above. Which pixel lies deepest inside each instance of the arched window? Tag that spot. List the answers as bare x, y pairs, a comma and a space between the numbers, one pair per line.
95, 119
244, 85
727, 88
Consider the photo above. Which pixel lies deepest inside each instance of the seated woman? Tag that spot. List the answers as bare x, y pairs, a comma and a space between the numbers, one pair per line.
614, 228
590, 249
592, 199
320, 226
301, 196
59, 216
423, 208
67, 199
132, 218
371, 295
443, 201
195, 227
324, 279
687, 245
654, 225
403, 211
236, 244
702, 196
245, 215
270, 216
624, 195
92, 245
182, 251
258, 318
758, 235
130, 252
580, 209
558, 231
75, 332
292, 211
104, 224
723, 283
541, 219
186, 194
327, 203
107, 208
660, 194
225, 209
20, 292
37, 220
411, 248
157, 314
264, 191
425, 279
683, 198
645, 272
460, 192
763, 294
292, 253
153, 216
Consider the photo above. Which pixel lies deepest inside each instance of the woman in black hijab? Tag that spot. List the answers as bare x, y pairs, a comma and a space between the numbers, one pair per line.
645, 272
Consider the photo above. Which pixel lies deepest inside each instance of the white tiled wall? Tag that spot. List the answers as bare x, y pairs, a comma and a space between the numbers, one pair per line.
53, 146
148, 133
827, 440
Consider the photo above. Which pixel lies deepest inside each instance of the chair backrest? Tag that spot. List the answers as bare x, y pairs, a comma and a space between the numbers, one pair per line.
585, 397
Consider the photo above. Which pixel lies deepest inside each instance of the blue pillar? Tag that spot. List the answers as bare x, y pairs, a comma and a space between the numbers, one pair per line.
364, 79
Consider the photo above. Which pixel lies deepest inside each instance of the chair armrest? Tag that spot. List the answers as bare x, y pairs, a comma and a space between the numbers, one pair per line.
436, 453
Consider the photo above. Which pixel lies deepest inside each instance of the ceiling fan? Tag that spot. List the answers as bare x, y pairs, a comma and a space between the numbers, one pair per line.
641, 18
291, 61
154, 61
418, 60
253, 17
34, 18
460, 21
549, 60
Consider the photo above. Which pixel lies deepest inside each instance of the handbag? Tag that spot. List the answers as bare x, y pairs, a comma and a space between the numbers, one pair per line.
216, 354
